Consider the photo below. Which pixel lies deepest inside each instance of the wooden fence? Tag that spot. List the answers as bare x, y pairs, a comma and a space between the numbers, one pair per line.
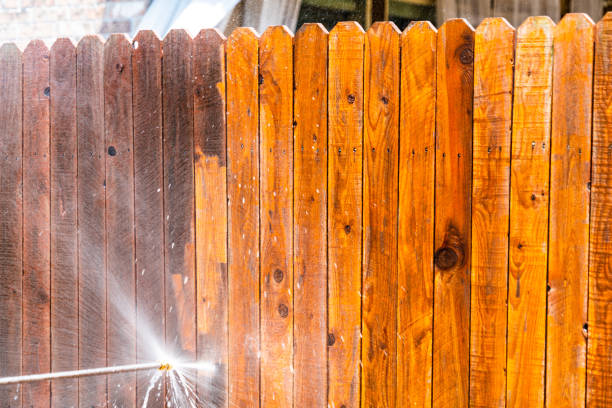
376, 219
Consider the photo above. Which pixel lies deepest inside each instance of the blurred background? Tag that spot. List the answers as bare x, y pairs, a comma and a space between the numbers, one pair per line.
23, 20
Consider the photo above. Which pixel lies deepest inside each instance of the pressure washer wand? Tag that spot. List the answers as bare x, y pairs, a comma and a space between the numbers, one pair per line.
84, 373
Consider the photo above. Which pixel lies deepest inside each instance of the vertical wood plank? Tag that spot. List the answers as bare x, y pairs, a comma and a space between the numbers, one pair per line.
64, 256
416, 212
11, 208
310, 217
119, 143
243, 217
36, 224
380, 206
455, 64
179, 194
211, 213
344, 212
529, 213
570, 175
91, 218
276, 214
599, 355
493, 74
148, 206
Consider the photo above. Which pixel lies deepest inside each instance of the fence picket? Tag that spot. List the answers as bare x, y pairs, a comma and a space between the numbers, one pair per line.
64, 256
211, 212
599, 355
11, 208
380, 201
276, 214
529, 212
243, 217
36, 224
148, 207
310, 217
344, 213
91, 217
119, 147
416, 212
493, 74
455, 65
570, 174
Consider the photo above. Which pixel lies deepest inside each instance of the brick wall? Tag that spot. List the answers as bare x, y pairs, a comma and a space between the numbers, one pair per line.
24, 20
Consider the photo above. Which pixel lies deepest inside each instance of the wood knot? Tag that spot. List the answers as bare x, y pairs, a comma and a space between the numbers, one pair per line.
260, 79
466, 55
347, 229
112, 151
331, 339
278, 276
385, 100
452, 251
283, 310
351, 99
47, 91
445, 258
119, 67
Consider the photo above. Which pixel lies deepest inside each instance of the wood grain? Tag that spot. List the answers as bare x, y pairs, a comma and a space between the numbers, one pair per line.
570, 175
276, 215
36, 225
529, 213
119, 146
211, 212
493, 75
416, 213
64, 254
380, 206
91, 217
148, 206
344, 212
455, 62
11, 208
243, 217
179, 206
599, 353
310, 217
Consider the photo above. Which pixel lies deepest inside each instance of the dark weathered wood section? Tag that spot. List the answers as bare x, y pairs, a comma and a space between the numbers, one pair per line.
344, 219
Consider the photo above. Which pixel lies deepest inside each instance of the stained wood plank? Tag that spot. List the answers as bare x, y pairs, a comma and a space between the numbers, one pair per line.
416, 212
91, 218
529, 212
119, 143
64, 255
310, 217
11, 209
380, 206
211, 213
36, 224
243, 217
344, 212
179, 206
570, 175
276, 214
599, 353
493, 75
455, 62
148, 206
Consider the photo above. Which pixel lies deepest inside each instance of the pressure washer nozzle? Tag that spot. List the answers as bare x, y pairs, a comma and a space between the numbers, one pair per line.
165, 367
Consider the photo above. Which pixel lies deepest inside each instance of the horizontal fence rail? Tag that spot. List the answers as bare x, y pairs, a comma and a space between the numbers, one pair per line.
342, 219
